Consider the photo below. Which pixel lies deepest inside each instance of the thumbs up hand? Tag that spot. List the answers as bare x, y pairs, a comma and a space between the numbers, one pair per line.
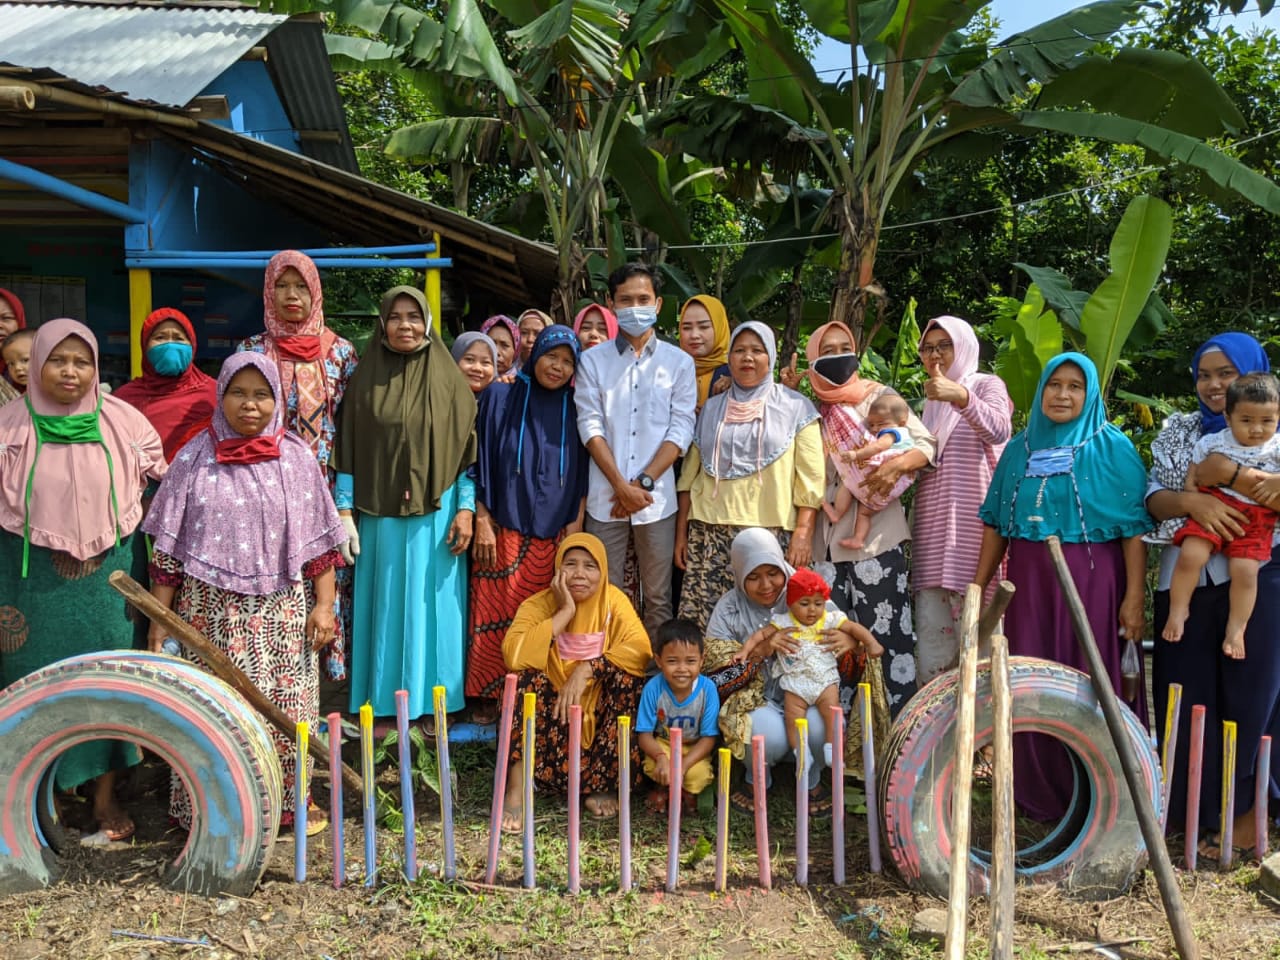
938, 387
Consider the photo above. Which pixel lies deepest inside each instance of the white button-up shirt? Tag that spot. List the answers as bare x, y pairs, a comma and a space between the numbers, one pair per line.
636, 402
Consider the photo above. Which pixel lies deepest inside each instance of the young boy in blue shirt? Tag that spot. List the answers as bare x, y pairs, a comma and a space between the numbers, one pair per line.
678, 696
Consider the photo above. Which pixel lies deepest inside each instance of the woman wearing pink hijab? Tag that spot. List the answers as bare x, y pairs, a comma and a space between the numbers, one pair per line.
315, 366
74, 461
594, 325
970, 414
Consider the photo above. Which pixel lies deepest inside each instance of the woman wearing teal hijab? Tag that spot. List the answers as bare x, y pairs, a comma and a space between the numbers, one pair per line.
1073, 475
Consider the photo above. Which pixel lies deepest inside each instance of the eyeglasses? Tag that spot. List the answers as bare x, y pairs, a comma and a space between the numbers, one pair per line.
946, 346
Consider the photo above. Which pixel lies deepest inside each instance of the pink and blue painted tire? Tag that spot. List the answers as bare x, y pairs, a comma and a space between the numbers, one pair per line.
1095, 852
196, 723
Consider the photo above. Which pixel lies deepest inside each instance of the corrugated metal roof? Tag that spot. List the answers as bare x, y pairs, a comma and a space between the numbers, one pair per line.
299, 66
151, 54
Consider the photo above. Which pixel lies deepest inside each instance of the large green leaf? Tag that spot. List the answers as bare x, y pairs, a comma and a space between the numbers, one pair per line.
577, 38
1154, 86
468, 49
1034, 337
918, 27
467, 139
831, 17
777, 73
1058, 293
1138, 251
1044, 51
1220, 168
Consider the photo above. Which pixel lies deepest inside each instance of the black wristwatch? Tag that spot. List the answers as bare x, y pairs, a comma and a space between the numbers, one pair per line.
646, 482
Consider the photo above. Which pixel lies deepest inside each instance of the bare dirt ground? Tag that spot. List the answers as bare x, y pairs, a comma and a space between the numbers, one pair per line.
107, 894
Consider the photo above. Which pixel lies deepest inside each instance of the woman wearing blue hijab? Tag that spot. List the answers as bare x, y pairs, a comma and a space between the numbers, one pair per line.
531, 485
1073, 475
1246, 691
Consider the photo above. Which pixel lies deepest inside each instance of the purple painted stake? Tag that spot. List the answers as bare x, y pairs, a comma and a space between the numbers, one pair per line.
624, 802
1173, 716
439, 702
334, 723
762, 815
1260, 797
802, 801
869, 776
674, 785
1194, 774
575, 794
500, 776
837, 794
406, 786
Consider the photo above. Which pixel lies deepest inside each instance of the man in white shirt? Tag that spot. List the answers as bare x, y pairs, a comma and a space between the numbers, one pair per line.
636, 399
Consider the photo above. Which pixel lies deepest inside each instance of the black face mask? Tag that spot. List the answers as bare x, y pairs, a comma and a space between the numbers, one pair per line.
838, 368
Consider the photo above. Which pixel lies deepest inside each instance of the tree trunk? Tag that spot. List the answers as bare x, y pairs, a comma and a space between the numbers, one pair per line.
795, 312
855, 283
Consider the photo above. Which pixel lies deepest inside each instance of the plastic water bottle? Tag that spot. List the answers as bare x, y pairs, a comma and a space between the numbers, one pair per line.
171, 647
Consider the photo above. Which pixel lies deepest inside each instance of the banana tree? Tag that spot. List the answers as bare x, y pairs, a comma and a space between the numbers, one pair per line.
918, 80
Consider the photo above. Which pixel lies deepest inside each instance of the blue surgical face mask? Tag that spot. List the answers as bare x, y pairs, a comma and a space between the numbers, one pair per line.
633, 321
170, 359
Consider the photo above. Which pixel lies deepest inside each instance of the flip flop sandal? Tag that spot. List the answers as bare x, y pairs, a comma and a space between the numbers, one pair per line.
316, 824
743, 802
820, 802
656, 801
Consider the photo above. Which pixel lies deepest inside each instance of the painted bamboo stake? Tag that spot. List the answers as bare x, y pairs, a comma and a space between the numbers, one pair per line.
406, 786
1169, 755
526, 757
624, 802
370, 804
440, 698
722, 818
575, 794
962, 782
300, 785
869, 776
334, 724
1261, 794
1184, 937
1003, 841
762, 816
500, 777
674, 785
218, 663
1195, 772
836, 720
802, 801
1227, 823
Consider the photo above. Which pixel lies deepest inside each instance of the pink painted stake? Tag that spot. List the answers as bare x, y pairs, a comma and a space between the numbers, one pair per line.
334, 721
762, 818
1194, 773
575, 793
837, 793
500, 776
673, 807
1261, 794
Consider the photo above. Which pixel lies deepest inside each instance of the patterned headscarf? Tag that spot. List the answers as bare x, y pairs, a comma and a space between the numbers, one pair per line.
513, 328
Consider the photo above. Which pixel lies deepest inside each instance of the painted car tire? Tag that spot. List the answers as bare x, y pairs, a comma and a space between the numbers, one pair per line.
1102, 849
196, 723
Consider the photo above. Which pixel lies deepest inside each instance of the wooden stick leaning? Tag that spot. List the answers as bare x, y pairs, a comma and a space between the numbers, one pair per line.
1002, 840
1179, 925
220, 665
990, 617
962, 783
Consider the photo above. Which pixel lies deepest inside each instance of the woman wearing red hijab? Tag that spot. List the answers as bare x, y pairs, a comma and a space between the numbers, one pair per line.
12, 319
175, 395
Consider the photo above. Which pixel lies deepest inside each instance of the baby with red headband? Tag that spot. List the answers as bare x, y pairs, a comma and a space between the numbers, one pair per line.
810, 676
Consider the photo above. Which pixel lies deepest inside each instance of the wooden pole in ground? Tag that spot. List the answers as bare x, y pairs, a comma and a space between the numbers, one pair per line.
1003, 842
333, 727
408, 812
722, 819
1195, 774
962, 783
500, 777
990, 617
1227, 818
219, 665
762, 817
1172, 718
836, 721
1261, 792
624, 802
1179, 924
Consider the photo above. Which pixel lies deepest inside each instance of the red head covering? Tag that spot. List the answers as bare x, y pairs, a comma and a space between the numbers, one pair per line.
178, 407
805, 583
854, 391
20, 314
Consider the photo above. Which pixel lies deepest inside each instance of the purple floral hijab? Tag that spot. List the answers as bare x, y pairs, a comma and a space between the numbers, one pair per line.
246, 528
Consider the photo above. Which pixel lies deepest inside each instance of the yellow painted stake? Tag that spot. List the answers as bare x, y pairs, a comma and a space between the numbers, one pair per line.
139, 307
722, 819
530, 732
432, 287
369, 800
1226, 828
439, 700
300, 805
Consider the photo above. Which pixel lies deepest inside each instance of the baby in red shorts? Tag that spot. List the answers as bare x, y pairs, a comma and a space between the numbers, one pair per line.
1253, 410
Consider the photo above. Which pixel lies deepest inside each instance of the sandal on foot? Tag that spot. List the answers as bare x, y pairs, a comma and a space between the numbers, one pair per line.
117, 829
485, 713
743, 801
656, 800
820, 802
317, 820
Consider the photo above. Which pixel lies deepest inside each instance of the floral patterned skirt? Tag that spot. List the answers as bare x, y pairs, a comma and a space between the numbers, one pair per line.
875, 592
619, 694
264, 637
710, 575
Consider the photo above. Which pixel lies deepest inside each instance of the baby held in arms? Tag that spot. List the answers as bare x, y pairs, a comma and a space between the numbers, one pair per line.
1250, 441
886, 438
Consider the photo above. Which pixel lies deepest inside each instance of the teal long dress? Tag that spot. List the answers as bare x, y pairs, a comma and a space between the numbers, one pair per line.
409, 616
